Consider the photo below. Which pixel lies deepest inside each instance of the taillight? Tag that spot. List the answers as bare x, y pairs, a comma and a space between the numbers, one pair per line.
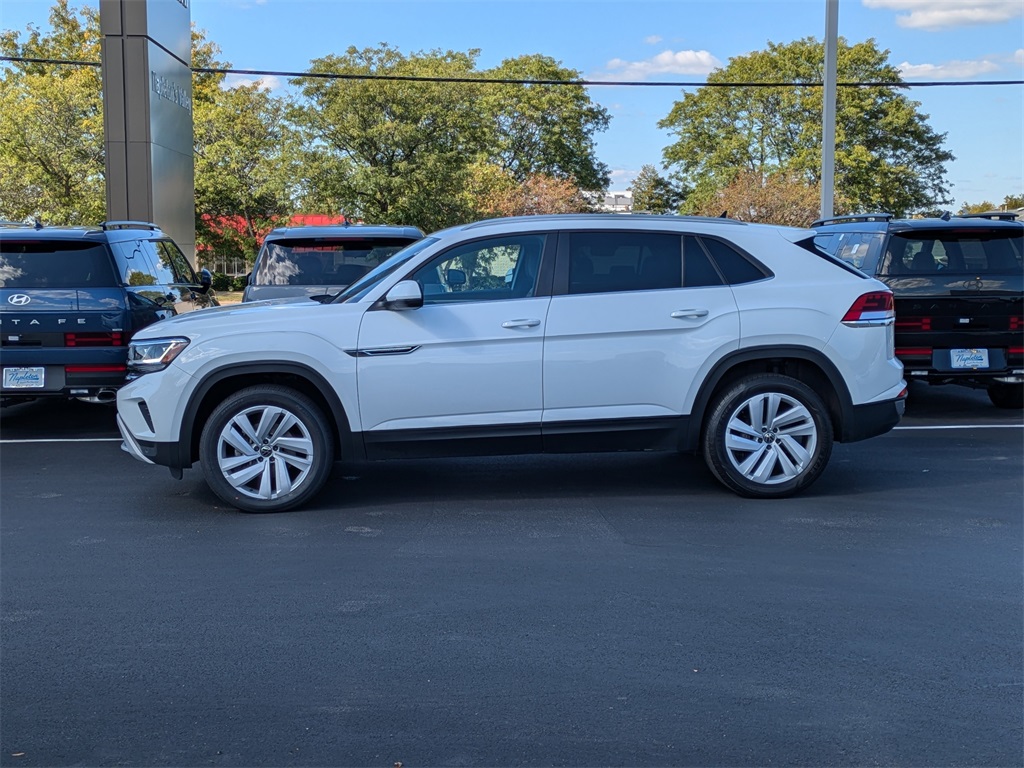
95, 368
111, 339
874, 308
1017, 323
913, 324
913, 351
1015, 351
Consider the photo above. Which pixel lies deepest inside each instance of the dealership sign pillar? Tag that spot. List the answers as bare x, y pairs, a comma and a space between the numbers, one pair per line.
147, 114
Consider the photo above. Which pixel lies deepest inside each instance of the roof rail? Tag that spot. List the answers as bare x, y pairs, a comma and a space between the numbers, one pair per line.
108, 225
5, 223
992, 215
853, 219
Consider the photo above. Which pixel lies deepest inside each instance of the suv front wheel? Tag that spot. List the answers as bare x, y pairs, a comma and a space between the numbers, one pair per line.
767, 436
266, 449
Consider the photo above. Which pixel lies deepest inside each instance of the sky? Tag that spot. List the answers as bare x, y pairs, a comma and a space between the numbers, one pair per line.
660, 41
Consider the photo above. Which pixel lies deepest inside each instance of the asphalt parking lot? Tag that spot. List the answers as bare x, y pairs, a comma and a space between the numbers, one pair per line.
570, 610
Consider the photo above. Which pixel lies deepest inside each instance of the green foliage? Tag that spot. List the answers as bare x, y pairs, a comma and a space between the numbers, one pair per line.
245, 160
391, 152
654, 194
887, 157
51, 132
546, 129
400, 152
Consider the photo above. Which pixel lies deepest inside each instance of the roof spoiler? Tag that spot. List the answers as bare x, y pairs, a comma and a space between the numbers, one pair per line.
991, 215
853, 219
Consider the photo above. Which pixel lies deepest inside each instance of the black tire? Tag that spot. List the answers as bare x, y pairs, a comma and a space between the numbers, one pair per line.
275, 440
789, 430
1005, 395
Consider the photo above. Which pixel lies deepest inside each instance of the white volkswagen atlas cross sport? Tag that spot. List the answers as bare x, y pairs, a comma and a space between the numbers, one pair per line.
536, 334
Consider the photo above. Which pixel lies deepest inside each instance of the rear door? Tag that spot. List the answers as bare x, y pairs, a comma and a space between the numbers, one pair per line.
634, 318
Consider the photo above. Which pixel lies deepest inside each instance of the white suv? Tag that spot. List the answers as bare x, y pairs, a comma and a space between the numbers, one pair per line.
524, 335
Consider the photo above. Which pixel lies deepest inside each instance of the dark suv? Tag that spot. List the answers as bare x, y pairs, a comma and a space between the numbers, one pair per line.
317, 261
71, 298
957, 283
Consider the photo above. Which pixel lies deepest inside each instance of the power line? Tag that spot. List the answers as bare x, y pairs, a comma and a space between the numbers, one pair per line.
514, 81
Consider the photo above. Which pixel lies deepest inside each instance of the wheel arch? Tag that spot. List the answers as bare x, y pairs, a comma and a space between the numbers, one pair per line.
221, 383
802, 363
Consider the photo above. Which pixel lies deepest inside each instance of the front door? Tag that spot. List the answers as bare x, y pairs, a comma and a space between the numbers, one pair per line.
462, 373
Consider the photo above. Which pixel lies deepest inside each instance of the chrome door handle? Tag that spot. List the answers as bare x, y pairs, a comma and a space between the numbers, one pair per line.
520, 324
689, 313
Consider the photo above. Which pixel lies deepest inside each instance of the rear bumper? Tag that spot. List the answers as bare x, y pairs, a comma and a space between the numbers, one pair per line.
873, 419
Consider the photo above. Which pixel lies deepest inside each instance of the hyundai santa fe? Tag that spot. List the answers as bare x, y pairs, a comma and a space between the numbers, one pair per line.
571, 333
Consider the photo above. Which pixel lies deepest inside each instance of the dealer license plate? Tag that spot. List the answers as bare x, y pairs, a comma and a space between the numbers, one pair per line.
24, 378
968, 358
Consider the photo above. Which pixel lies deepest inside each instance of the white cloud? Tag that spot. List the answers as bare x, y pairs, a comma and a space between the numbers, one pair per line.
273, 82
932, 15
653, 39
665, 63
950, 70
1018, 56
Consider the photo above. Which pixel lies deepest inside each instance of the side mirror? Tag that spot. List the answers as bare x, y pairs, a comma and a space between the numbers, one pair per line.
205, 279
405, 295
455, 277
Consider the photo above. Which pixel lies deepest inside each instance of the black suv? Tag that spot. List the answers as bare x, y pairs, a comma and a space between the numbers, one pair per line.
71, 298
958, 286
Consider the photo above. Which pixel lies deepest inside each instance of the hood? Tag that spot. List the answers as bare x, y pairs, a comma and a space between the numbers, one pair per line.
296, 315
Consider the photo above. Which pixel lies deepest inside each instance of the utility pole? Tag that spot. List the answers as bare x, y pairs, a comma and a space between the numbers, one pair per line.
828, 113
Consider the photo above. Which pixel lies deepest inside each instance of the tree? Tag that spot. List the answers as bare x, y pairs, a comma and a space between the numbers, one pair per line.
781, 198
244, 166
51, 133
392, 152
654, 194
495, 192
887, 157
546, 129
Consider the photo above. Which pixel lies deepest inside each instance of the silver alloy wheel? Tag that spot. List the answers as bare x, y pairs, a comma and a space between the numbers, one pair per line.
265, 452
771, 438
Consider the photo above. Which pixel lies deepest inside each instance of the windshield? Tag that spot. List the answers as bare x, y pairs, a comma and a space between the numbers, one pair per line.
361, 287
323, 260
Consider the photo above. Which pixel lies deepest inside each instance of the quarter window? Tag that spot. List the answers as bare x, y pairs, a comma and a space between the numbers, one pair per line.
733, 265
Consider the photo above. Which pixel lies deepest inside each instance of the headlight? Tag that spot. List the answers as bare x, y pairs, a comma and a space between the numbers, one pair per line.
153, 354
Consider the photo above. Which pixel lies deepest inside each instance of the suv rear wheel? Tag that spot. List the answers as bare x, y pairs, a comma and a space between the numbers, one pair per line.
265, 449
767, 436
1005, 395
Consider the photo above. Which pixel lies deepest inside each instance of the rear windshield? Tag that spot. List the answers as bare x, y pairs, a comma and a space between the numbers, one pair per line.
954, 251
322, 261
54, 264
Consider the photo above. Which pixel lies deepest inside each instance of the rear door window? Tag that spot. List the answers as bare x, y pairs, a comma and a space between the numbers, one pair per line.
602, 262
54, 264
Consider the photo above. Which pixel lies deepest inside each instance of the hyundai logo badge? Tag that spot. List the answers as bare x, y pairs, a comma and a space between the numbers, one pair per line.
19, 299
